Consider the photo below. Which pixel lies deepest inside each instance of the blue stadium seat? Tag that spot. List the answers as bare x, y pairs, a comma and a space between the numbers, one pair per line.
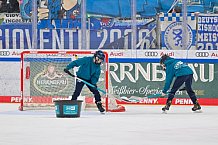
150, 8
195, 8
114, 8
106, 7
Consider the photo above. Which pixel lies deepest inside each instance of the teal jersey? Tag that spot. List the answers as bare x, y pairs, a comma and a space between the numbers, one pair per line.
175, 68
88, 70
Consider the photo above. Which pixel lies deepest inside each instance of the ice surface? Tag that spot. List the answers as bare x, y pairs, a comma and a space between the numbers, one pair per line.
139, 125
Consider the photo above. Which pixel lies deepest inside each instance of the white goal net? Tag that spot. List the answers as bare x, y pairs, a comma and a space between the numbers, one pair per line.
43, 80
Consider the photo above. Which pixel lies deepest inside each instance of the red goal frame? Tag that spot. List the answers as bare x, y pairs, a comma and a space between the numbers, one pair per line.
21, 107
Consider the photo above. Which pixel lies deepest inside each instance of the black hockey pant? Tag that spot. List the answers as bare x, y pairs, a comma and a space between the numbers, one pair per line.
187, 79
78, 89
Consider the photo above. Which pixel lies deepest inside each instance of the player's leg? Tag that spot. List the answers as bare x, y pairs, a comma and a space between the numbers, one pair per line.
177, 84
97, 98
78, 89
191, 93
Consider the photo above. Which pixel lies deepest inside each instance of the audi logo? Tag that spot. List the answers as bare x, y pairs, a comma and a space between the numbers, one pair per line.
4, 53
201, 54
150, 54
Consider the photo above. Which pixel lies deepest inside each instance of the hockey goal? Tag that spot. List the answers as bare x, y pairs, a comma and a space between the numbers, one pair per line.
43, 80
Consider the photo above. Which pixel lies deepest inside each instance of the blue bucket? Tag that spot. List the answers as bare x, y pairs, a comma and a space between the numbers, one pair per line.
68, 108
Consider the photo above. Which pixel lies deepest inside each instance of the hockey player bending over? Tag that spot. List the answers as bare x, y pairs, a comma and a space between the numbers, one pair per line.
183, 74
89, 70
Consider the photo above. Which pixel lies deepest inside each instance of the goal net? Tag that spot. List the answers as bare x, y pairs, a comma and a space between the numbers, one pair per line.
44, 81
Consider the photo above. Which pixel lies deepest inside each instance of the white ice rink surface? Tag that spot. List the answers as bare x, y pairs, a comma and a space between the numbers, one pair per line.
139, 125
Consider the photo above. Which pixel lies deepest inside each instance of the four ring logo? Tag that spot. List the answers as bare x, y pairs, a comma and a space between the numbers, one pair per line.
4, 53
151, 53
201, 54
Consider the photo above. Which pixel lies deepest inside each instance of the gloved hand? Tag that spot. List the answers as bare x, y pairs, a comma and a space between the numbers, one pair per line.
66, 70
95, 86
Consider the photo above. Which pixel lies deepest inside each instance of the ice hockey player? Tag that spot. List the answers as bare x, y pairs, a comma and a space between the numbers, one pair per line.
183, 74
89, 70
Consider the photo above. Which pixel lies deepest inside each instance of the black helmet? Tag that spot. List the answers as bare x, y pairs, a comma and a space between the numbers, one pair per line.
163, 58
100, 55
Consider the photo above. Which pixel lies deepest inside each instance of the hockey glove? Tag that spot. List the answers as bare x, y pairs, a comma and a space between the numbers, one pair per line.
68, 72
95, 87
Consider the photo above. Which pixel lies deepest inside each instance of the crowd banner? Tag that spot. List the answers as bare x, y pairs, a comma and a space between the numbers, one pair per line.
106, 33
171, 31
207, 31
111, 33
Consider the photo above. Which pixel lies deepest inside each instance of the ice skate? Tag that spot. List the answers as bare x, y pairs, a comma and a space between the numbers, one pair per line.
196, 107
166, 107
100, 107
